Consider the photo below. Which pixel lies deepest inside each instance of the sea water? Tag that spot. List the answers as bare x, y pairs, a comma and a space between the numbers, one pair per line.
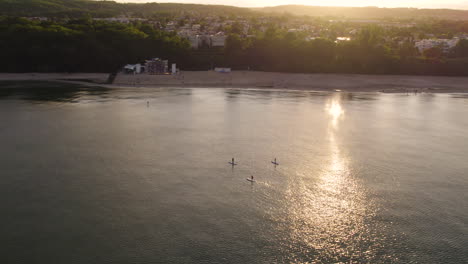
94, 175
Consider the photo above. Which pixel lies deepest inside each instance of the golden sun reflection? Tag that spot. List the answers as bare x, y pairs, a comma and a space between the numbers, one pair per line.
327, 206
335, 110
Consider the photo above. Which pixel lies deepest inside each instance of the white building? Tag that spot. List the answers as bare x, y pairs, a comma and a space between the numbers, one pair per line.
222, 70
171, 26
342, 39
185, 27
310, 38
133, 68
218, 40
198, 41
193, 41
37, 18
444, 44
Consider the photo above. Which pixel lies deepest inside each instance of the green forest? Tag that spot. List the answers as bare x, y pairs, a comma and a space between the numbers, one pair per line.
84, 45
367, 12
368, 52
73, 41
80, 8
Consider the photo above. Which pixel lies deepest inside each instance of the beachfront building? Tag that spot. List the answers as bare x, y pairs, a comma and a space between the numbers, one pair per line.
133, 68
152, 66
157, 66
222, 70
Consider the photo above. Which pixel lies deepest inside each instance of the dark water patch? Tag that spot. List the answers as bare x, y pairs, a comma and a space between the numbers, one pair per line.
460, 96
48, 91
81, 80
345, 96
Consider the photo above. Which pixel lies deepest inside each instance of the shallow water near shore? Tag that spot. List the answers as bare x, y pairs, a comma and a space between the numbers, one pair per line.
95, 175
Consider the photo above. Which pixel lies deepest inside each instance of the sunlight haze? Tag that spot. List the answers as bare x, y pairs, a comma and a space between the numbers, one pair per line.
453, 4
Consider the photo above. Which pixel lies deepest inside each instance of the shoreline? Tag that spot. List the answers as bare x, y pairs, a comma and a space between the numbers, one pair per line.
261, 80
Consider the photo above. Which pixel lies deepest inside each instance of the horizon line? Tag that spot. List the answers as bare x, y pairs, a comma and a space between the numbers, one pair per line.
305, 5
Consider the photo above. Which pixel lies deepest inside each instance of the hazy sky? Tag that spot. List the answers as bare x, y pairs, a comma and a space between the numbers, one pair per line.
458, 4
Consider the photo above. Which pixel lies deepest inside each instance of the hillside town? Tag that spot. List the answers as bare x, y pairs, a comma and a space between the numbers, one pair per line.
212, 31
207, 38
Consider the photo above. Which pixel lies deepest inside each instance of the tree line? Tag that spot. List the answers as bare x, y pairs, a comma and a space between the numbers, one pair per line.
370, 51
85, 45
82, 45
80, 8
367, 12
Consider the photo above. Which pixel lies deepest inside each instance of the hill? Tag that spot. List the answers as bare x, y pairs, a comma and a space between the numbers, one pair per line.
79, 8
367, 12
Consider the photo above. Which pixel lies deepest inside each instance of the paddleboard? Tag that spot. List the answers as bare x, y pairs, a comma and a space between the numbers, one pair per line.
276, 163
232, 163
250, 180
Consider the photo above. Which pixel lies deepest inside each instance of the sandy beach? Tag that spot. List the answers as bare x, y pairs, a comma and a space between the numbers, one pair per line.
270, 80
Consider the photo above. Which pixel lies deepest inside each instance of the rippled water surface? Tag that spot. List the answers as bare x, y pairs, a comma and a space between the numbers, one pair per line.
94, 175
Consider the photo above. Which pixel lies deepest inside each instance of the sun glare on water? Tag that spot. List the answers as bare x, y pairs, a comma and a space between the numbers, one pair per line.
328, 209
335, 110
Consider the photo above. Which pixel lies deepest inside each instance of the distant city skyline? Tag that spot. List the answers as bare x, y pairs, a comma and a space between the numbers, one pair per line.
452, 4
